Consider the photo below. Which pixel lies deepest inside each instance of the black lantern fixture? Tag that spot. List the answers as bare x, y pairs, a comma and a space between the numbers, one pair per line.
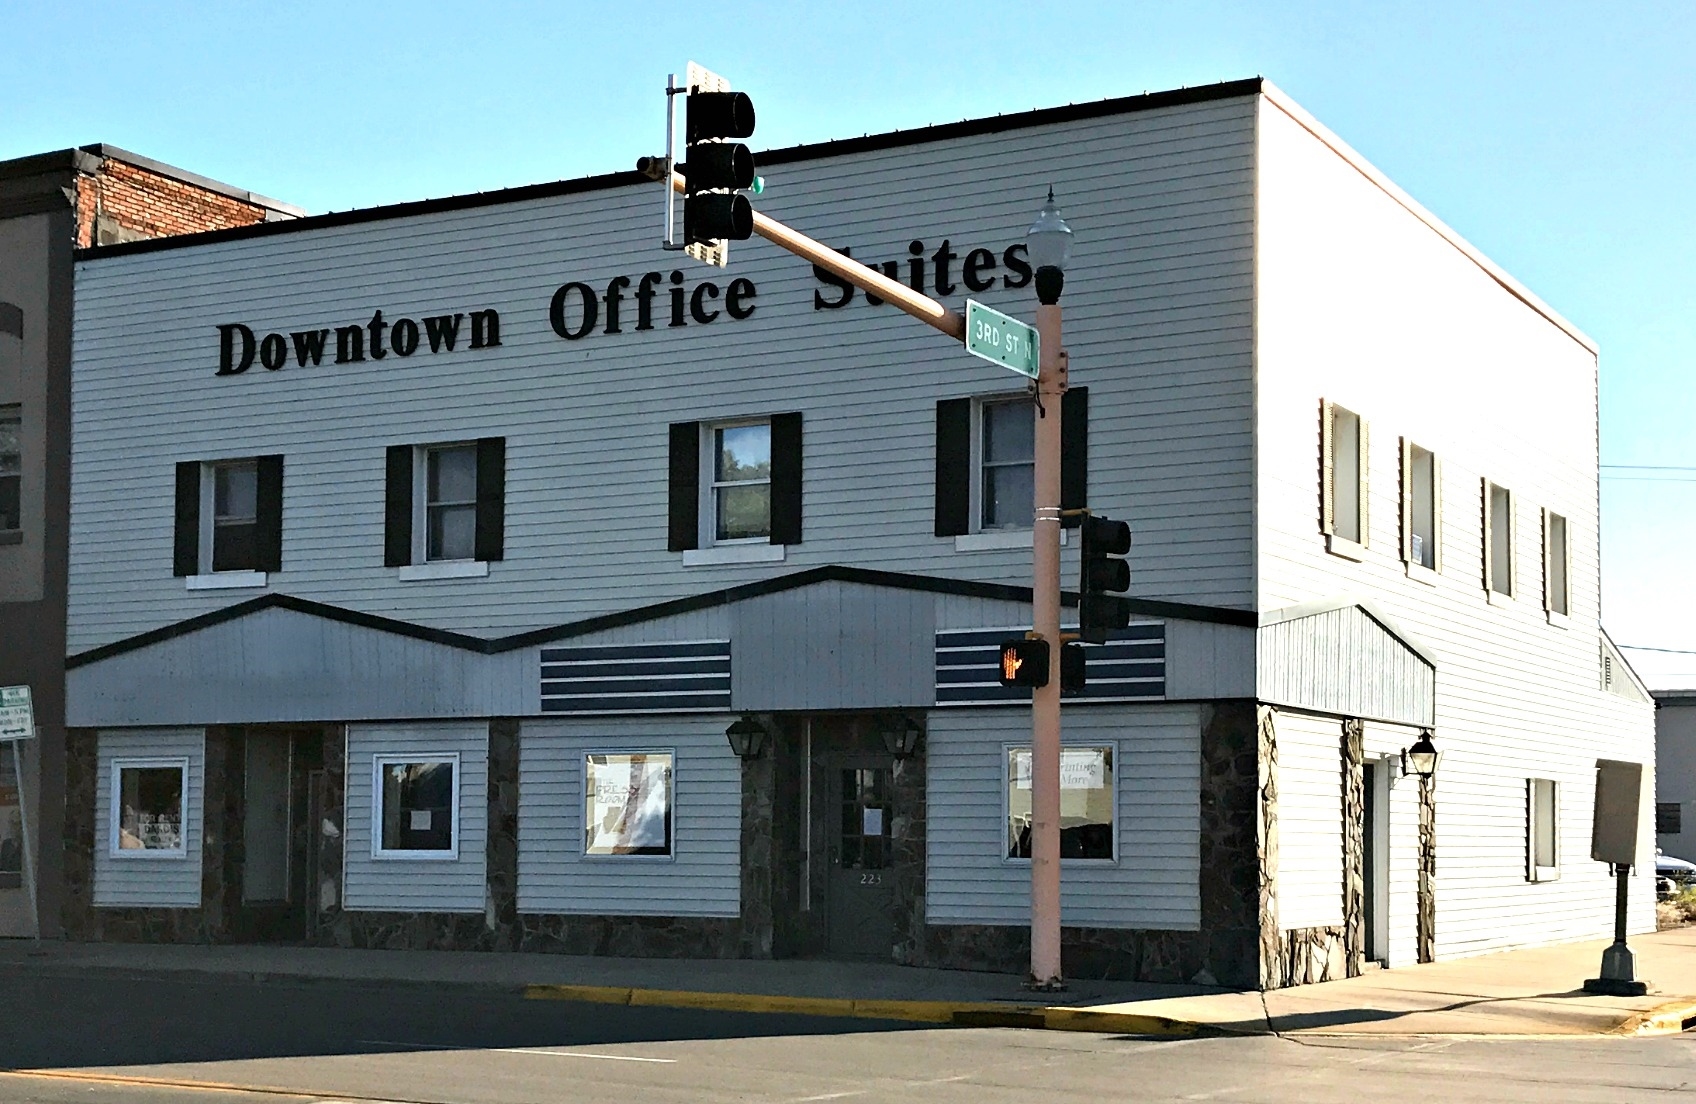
747, 737
900, 735
1421, 758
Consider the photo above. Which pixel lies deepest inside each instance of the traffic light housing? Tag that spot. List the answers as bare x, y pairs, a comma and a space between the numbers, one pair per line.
1024, 663
715, 167
1073, 675
1104, 573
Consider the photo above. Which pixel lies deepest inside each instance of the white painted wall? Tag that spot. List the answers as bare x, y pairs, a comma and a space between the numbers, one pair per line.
1363, 303
154, 881
1153, 884
1310, 820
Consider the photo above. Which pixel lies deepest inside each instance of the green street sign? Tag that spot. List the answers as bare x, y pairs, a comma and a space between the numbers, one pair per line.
1003, 340
17, 718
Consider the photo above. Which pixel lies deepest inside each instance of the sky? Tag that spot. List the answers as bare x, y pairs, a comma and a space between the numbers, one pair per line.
1558, 137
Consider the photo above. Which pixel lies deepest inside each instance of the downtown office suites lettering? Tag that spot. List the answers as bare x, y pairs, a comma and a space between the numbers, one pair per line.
578, 309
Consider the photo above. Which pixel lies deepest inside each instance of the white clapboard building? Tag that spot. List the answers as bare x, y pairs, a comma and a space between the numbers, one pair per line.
475, 573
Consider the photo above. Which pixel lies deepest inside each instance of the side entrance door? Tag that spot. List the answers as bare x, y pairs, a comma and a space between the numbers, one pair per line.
860, 918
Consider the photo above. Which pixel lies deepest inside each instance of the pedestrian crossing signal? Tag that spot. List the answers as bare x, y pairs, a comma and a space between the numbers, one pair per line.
1024, 663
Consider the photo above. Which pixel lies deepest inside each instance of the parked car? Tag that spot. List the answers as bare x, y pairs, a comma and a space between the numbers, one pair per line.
1672, 873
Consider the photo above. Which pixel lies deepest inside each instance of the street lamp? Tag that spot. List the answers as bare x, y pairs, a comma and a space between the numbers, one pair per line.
1422, 757
1049, 242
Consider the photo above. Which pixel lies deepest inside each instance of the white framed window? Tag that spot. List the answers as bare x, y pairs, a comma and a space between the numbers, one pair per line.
11, 474
1498, 540
1004, 457
1422, 508
1557, 564
1542, 830
736, 495
415, 806
230, 505
149, 805
1344, 471
446, 521
1089, 801
627, 804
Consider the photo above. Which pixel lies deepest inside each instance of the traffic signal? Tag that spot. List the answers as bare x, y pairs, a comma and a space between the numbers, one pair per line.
715, 168
1104, 572
1024, 663
1072, 668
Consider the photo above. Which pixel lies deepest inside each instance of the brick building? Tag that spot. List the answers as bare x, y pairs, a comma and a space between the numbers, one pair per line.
50, 205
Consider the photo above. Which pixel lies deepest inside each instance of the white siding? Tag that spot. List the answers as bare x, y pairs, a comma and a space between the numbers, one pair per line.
150, 882
1310, 821
1366, 304
1154, 883
704, 875
1401, 821
1159, 327
418, 885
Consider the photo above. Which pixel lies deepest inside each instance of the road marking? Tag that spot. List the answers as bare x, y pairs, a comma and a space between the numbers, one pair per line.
198, 1086
828, 1096
518, 1050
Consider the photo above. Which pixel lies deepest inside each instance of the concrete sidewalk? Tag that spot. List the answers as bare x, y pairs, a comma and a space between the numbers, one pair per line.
1527, 992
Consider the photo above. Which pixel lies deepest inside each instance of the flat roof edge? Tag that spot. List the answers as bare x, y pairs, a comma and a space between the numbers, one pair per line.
117, 153
940, 132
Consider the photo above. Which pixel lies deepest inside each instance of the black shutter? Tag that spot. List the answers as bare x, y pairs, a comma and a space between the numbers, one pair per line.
684, 530
490, 542
268, 520
953, 467
786, 478
1074, 453
185, 548
397, 506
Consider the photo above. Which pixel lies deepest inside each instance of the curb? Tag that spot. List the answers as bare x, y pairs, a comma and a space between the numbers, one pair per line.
1672, 1018
952, 1013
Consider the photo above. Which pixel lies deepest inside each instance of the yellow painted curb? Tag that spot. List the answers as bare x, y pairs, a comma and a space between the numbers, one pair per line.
1671, 1018
958, 1013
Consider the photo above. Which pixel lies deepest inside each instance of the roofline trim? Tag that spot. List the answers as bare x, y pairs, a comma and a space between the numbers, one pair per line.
940, 132
160, 168
1183, 611
1279, 99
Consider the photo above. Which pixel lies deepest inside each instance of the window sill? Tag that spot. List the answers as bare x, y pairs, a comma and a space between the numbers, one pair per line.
12, 536
734, 554
995, 540
444, 569
415, 856
1546, 874
1559, 620
1419, 573
1497, 598
228, 580
1347, 549
140, 855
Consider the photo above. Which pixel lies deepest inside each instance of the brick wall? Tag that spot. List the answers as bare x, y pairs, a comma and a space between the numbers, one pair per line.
146, 204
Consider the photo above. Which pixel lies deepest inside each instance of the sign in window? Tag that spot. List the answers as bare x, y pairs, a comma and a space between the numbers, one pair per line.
627, 804
1086, 803
147, 812
417, 801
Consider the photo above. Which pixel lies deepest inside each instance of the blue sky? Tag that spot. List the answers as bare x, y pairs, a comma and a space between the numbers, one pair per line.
1559, 137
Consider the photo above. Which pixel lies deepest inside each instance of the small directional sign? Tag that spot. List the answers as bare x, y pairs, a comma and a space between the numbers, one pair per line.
1003, 340
17, 718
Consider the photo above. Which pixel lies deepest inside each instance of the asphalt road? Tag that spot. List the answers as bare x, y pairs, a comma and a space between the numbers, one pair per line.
102, 1039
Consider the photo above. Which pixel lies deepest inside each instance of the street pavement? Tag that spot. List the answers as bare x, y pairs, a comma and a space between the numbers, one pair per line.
218, 1039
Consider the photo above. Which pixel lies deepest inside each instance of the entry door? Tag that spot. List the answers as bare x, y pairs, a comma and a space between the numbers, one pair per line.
1375, 855
16, 919
266, 826
862, 893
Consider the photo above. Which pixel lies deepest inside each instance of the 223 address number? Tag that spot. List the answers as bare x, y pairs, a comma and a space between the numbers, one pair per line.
871, 879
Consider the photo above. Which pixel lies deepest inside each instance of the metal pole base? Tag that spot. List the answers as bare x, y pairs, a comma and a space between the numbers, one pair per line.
1613, 987
1619, 974
1052, 985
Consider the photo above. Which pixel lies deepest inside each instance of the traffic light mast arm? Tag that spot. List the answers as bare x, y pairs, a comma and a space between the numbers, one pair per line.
867, 279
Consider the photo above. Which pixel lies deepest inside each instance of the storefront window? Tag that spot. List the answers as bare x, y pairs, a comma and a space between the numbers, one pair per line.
148, 807
417, 806
11, 826
1086, 803
627, 804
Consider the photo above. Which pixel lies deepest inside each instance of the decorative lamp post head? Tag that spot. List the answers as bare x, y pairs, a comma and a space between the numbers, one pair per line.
1422, 757
747, 737
1050, 244
901, 735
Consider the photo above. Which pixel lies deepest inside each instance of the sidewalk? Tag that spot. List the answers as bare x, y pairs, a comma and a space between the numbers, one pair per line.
1527, 992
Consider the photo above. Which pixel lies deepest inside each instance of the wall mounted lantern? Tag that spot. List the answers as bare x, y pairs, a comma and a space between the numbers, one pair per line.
1422, 757
901, 735
747, 737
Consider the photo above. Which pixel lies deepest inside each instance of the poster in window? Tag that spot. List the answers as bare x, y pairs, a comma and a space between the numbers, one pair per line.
627, 807
1086, 803
150, 808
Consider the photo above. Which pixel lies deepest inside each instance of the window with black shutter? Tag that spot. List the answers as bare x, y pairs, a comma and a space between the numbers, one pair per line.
444, 505
229, 516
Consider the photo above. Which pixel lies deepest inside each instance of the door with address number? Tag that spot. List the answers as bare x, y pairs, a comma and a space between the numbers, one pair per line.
862, 891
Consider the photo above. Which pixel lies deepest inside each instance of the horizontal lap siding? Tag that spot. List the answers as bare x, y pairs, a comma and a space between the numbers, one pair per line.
1310, 821
418, 885
1158, 315
1364, 305
704, 876
1154, 884
151, 882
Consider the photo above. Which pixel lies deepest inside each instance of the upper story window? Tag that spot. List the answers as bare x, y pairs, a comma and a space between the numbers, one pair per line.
1343, 460
1557, 564
1542, 830
1422, 505
11, 472
985, 467
738, 501
445, 508
735, 489
229, 521
1498, 540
